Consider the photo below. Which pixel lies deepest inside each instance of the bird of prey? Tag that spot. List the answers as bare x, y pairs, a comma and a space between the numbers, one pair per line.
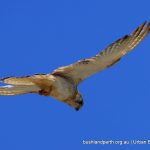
62, 83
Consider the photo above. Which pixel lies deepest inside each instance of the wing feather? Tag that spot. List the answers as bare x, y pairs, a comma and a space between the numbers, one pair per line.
106, 58
25, 80
18, 89
23, 85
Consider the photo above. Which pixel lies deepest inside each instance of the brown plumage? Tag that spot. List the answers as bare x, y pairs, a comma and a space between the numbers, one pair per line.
62, 83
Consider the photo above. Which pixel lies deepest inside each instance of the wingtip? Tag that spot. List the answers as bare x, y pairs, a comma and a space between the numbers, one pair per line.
145, 26
146, 23
3, 79
148, 26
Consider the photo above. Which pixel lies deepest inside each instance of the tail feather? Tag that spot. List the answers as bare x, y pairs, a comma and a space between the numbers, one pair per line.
18, 89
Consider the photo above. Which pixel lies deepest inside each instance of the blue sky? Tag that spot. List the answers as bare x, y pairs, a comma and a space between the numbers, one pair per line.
39, 36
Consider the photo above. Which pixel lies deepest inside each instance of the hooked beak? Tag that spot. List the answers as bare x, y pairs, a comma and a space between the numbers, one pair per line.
79, 105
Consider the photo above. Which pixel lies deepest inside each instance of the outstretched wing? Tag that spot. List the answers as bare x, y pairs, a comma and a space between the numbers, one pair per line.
23, 85
18, 89
109, 56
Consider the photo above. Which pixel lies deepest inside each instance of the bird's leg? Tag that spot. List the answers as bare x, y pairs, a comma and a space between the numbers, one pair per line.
45, 91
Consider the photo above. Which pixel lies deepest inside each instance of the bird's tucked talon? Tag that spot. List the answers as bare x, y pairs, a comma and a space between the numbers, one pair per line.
44, 92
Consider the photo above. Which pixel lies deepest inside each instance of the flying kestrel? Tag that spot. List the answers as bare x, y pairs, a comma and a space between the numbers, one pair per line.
62, 83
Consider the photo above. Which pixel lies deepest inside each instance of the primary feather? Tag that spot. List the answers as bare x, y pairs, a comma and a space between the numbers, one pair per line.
18, 89
109, 56
23, 85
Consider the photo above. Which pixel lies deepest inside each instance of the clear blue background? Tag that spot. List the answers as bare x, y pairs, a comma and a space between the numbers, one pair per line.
37, 36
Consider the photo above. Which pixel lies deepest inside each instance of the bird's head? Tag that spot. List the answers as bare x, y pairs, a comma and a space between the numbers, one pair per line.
78, 101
